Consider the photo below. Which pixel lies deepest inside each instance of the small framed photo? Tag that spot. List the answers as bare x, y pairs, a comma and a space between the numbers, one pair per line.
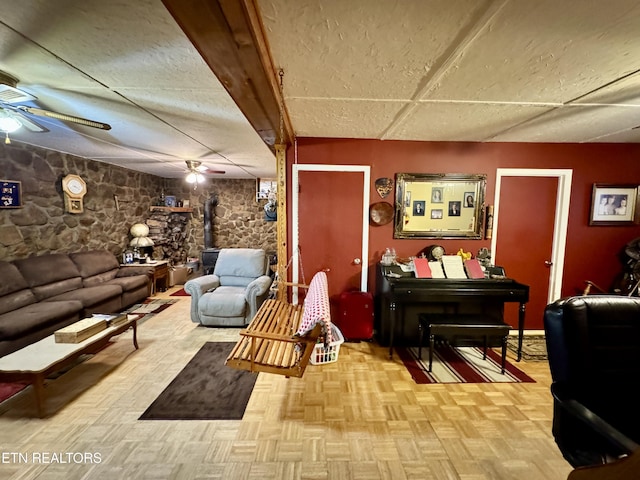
170, 201
436, 213
418, 208
186, 203
10, 194
454, 209
266, 188
614, 204
469, 200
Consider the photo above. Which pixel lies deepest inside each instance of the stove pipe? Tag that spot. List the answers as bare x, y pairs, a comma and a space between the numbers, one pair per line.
209, 213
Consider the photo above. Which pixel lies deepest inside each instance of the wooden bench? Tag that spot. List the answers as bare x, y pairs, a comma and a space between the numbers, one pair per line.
456, 326
269, 342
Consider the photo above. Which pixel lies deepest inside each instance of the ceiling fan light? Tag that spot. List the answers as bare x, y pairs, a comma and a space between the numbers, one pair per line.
8, 124
200, 178
192, 177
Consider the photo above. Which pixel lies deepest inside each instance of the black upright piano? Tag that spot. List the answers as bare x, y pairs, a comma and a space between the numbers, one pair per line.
399, 301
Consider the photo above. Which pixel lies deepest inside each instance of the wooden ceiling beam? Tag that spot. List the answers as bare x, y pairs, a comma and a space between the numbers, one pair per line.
229, 36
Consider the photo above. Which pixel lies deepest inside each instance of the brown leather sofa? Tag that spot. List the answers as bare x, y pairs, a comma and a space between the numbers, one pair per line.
39, 295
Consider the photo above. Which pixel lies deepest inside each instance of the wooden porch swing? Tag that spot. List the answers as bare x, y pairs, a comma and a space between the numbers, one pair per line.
272, 342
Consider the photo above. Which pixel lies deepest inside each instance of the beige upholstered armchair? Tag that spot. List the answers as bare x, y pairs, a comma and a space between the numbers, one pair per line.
231, 296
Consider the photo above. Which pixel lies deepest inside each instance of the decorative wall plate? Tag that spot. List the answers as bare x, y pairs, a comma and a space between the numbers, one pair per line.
381, 213
384, 186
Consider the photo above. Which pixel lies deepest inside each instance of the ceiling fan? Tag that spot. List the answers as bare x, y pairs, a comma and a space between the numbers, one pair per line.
14, 116
196, 172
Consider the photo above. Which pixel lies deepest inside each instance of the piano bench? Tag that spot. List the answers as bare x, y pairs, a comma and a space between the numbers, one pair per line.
466, 326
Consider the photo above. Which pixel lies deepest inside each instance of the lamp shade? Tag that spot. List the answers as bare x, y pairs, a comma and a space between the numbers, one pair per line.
141, 242
139, 230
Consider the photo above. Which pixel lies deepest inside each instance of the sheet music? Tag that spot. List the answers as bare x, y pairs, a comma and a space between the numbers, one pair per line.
453, 267
436, 270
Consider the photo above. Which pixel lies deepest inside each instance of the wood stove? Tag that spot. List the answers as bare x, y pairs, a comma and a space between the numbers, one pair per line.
210, 252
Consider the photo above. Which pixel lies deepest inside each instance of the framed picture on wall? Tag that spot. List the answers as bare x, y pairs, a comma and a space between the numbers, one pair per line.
443, 196
614, 204
266, 187
10, 194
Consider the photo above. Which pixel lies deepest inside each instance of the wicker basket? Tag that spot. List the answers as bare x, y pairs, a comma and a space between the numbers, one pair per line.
322, 355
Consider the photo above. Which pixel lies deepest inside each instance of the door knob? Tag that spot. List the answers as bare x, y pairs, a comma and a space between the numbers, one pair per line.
548, 263
357, 261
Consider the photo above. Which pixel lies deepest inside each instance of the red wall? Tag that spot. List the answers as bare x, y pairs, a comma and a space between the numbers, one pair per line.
591, 252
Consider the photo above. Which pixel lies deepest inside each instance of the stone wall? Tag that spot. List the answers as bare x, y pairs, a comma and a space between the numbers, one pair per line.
239, 219
42, 226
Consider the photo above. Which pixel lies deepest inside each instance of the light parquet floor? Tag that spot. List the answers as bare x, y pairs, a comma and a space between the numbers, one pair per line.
359, 418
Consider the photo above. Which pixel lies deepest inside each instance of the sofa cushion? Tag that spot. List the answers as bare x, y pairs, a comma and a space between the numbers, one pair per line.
12, 279
49, 275
99, 279
96, 266
90, 296
35, 317
241, 262
223, 302
130, 283
14, 291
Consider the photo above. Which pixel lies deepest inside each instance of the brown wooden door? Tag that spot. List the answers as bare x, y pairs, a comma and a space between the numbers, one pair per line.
330, 227
524, 247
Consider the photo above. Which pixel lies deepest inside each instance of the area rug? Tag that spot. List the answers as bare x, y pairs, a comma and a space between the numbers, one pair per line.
459, 365
180, 293
8, 390
534, 347
206, 389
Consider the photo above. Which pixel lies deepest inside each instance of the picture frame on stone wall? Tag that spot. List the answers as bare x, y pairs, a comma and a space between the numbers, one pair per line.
266, 187
614, 204
170, 201
10, 194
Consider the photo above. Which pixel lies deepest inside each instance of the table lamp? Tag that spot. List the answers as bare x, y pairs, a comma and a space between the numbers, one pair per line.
140, 239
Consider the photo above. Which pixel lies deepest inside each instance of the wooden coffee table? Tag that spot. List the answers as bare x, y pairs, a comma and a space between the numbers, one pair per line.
35, 362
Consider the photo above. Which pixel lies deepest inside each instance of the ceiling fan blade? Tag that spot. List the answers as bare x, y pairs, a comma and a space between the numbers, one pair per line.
197, 167
66, 118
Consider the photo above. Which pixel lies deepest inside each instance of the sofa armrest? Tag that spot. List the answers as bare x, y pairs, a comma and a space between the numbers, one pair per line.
257, 292
135, 270
258, 287
197, 287
592, 421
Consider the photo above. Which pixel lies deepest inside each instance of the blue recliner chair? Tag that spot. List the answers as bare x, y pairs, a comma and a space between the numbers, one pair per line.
231, 296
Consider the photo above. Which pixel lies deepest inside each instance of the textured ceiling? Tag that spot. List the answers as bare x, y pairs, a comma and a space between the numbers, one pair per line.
128, 64
459, 70
448, 70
